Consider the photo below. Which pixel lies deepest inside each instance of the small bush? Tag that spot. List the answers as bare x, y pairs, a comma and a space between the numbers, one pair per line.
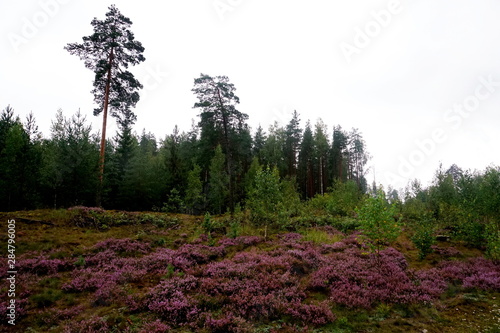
493, 240
423, 237
88, 217
376, 219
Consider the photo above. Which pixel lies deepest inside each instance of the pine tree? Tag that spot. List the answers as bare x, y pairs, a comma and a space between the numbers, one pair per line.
221, 124
108, 52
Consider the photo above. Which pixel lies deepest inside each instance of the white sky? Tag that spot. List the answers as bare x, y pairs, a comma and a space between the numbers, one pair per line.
420, 59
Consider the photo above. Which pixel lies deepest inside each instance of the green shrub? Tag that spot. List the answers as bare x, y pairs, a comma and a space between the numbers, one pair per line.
207, 224
345, 224
493, 240
271, 201
424, 237
471, 230
376, 218
344, 198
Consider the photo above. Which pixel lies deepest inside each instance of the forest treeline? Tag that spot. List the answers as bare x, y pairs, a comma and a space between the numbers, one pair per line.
286, 177
211, 167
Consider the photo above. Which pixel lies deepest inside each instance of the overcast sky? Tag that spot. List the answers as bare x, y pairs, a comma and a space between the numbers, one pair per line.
420, 79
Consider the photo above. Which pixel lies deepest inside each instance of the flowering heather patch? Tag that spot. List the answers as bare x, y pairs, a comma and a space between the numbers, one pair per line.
126, 245
227, 323
170, 299
155, 327
42, 265
158, 260
86, 216
475, 273
447, 252
236, 286
89, 279
290, 237
189, 255
357, 281
330, 230
318, 315
241, 241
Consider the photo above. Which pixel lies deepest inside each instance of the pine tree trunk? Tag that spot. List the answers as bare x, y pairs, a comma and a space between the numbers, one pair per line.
103, 137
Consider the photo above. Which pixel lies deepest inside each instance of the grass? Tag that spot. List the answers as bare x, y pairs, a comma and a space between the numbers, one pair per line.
318, 236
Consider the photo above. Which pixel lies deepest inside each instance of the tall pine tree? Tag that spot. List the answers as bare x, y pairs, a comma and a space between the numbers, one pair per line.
108, 52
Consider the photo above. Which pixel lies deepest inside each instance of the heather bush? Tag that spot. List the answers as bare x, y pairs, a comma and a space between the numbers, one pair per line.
42, 265
243, 284
189, 255
314, 314
447, 252
170, 299
156, 326
92, 325
85, 217
241, 241
124, 246
227, 323
355, 281
477, 273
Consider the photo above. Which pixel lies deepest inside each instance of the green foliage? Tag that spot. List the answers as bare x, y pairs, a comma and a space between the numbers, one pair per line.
174, 203
80, 261
424, 236
345, 224
70, 164
376, 218
234, 229
219, 181
112, 43
470, 229
493, 240
343, 198
207, 224
266, 199
291, 199
194, 190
